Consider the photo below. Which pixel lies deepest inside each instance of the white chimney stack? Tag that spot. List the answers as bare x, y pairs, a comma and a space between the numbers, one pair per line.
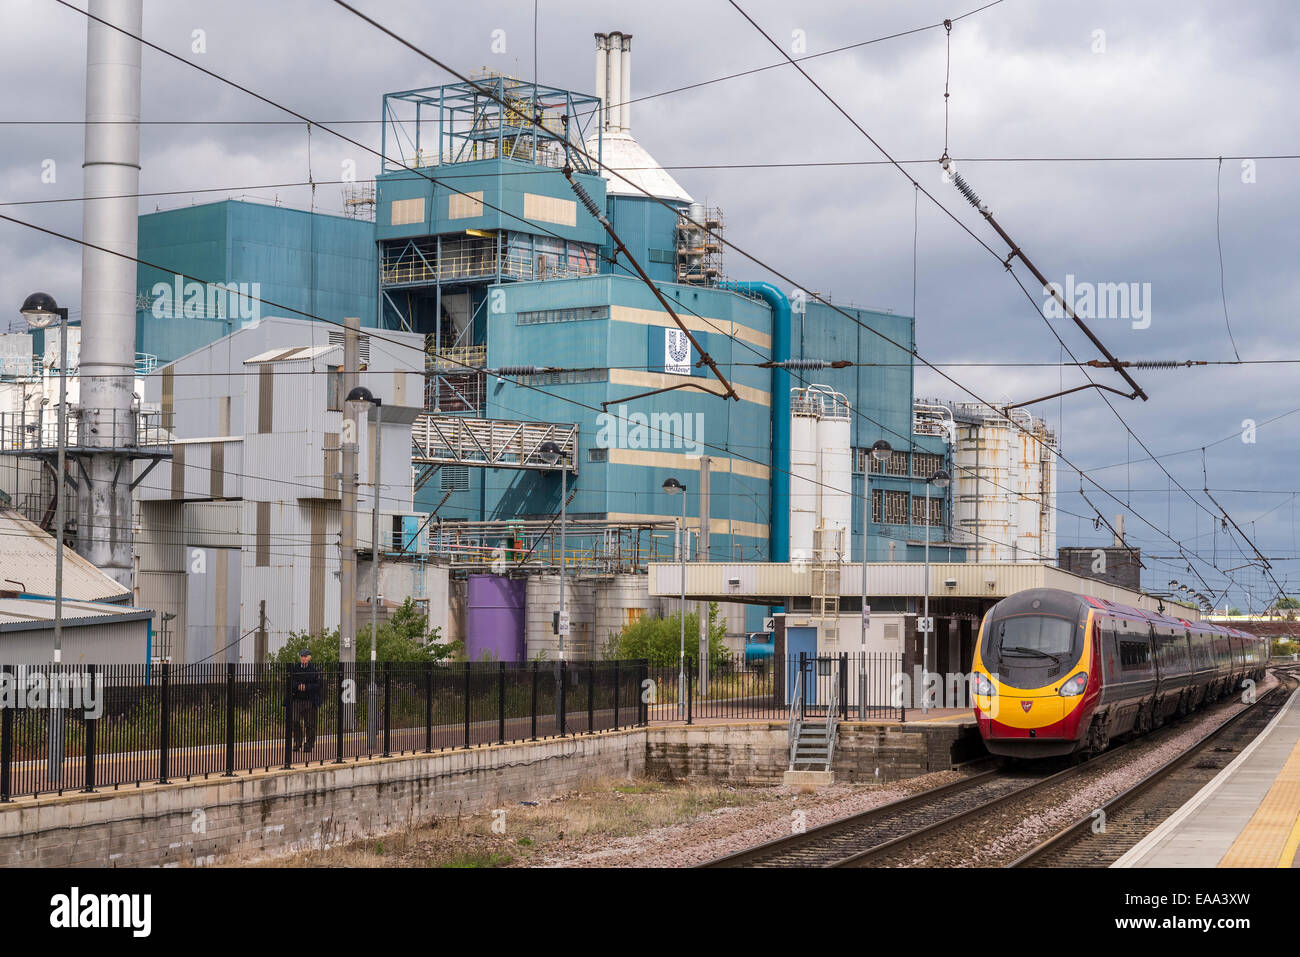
112, 178
614, 79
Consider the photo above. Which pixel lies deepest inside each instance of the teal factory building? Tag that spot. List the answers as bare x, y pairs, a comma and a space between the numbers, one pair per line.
480, 243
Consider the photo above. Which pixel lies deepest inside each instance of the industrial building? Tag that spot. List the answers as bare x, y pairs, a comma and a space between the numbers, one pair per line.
240, 256
238, 529
531, 328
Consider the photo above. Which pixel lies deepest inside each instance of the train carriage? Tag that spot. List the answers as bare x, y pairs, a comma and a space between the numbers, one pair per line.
1057, 673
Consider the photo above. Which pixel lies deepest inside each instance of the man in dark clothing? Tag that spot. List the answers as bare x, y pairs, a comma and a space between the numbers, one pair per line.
305, 681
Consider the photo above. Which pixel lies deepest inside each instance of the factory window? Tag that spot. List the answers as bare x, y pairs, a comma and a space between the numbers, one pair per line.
668, 256
575, 314
877, 509
918, 511
455, 478
407, 211
583, 259
598, 455
895, 508
896, 464
334, 389
549, 209
459, 206
925, 464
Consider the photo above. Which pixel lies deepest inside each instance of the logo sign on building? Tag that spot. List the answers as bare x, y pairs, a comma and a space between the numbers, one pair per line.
677, 352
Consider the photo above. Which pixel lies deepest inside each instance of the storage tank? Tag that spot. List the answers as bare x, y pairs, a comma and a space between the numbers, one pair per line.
833, 441
494, 618
805, 411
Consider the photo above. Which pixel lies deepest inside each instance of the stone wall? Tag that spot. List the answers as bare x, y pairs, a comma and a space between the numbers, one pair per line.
282, 812
758, 753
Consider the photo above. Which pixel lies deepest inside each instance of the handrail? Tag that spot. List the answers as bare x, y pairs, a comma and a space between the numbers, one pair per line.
832, 719
795, 721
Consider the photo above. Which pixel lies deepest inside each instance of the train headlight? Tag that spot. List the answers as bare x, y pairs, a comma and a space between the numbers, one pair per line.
982, 684
1075, 685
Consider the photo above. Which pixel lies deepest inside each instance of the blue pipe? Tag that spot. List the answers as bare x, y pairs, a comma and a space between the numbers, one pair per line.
779, 526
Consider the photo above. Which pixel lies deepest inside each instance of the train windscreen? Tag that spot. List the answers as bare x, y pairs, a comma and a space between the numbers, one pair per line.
1029, 651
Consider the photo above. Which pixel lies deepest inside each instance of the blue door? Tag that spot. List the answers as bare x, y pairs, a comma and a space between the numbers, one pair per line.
801, 640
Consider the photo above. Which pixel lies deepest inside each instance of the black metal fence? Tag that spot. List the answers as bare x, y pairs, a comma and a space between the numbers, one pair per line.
866, 686
121, 725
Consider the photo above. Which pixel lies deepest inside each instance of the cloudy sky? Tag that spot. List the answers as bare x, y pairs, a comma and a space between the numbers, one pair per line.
1051, 101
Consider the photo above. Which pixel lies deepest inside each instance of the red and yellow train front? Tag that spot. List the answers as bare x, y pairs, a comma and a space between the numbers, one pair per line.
1036, 675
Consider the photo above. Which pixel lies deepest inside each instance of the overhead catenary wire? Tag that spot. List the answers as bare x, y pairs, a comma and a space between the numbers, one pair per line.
729, 244
461, 76
971, 197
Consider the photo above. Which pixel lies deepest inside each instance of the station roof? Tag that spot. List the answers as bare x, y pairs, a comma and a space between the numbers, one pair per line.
773, 583
25, 614
27, 565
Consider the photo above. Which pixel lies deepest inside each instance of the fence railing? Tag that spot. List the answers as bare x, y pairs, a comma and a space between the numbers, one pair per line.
864, 687
122, 725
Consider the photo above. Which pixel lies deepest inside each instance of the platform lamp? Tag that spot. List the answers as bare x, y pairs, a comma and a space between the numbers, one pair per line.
939, 480
552, 454
674, 487
362, 394
41, 311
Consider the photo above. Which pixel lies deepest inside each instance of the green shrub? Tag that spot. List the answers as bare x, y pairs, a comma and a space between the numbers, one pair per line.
401, 638
658, 640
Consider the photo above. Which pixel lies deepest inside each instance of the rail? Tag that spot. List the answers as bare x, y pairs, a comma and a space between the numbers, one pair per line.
37, 433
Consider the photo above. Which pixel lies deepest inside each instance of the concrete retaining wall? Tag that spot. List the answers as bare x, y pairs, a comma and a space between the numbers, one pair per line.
283, 812
758, 753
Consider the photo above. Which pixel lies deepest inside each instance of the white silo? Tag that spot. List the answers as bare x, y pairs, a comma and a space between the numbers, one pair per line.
833, 442
805, 408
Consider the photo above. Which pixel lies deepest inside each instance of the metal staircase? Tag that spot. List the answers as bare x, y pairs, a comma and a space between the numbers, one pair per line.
812, 743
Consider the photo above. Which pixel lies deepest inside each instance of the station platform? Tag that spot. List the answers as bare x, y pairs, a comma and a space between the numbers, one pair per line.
1247, 816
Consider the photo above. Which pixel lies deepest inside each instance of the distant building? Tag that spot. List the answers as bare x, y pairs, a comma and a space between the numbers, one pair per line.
1003, 479
1114, 564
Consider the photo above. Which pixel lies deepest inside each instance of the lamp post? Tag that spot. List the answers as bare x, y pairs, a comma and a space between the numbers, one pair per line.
362, 394
940, 480
674, 487
551, 454
41, 311
880, 452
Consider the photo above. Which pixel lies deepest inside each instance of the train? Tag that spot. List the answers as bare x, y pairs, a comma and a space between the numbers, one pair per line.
1057, 673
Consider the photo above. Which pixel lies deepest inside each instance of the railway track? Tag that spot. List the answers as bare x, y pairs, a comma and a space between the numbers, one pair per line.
888, 832
1129, 816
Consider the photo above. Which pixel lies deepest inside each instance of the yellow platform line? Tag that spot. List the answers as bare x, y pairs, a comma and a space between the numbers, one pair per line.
1292, 846
1272, 835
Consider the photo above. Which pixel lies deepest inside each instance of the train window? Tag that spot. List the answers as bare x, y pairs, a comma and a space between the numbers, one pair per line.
1134, 654
1037, 633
